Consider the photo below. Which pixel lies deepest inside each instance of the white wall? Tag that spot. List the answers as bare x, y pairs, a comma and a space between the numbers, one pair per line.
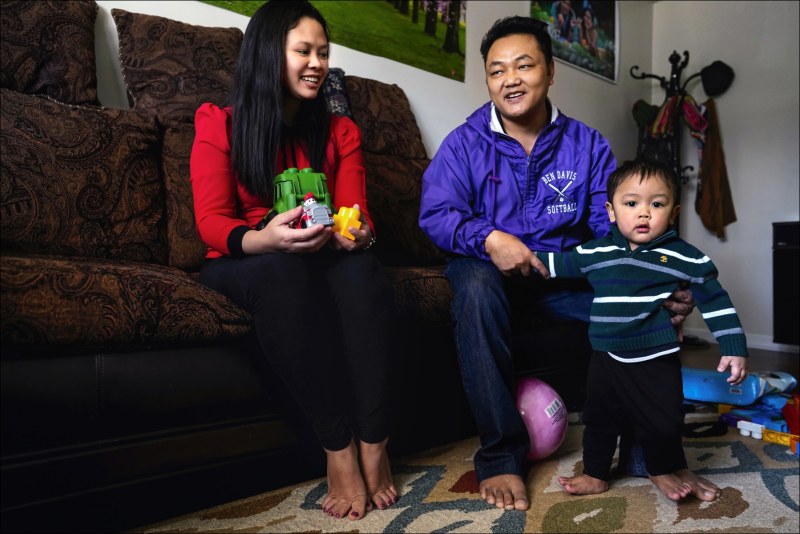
758, 115
438, 103
759, 123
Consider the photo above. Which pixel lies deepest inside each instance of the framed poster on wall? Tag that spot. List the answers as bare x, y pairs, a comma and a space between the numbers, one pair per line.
429, 34
585, 33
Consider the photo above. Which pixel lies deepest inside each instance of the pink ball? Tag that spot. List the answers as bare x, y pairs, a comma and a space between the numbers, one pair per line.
544, 414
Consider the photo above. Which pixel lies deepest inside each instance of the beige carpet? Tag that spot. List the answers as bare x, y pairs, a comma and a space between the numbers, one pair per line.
759, 484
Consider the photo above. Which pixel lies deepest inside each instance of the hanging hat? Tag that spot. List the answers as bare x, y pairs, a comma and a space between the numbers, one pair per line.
716, 77
643, 113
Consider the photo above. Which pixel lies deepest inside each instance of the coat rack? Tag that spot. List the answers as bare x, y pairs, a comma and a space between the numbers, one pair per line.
716, 79
673, 87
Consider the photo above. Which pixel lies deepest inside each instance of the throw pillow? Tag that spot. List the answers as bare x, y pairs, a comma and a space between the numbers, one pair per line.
80, 181
336, 94
383, 113
48, 48
171, 67
186, 249
85, 302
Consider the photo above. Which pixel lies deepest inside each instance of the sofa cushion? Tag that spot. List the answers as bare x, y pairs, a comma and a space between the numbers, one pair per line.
186, 249
171, 67
80, 181
67, 301
394, 186
383, 113
48, 48
422, 295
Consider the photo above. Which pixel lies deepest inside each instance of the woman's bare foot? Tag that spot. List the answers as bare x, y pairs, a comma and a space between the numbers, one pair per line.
377, 474
505, 491
671, 486
347, 494
583, 485
701, 488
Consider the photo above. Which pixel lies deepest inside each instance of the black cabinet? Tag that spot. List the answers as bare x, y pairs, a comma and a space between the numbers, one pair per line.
785, 274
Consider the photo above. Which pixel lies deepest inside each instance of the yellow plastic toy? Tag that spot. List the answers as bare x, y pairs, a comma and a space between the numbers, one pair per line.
345, 219
781, 438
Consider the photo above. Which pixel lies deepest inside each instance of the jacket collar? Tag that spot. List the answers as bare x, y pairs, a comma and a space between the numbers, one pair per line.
496, 126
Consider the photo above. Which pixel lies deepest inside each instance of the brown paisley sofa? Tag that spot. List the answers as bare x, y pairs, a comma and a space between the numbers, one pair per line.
130, 392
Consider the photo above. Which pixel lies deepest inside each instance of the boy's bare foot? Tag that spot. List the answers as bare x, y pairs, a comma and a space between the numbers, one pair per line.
347, 495
701, 488
377, 474
671, 486
505, 491
583, 485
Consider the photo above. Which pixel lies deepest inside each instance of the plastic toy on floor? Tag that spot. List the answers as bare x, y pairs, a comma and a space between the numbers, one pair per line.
709, 385
791, 413
778, 381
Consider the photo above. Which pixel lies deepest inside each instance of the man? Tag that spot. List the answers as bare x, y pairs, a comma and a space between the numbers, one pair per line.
518, 176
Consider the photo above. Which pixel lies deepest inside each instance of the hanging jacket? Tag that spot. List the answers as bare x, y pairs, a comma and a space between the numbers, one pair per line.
714, 202
481, 179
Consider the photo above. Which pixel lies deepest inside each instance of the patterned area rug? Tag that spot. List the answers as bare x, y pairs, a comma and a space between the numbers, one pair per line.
759, 484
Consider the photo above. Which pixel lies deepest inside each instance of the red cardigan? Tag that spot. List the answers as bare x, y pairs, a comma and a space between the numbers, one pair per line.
221, 202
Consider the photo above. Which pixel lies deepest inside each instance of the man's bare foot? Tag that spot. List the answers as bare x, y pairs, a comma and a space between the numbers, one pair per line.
377, 474
347, 494
701, 488
505, 491
583, 485
671, 486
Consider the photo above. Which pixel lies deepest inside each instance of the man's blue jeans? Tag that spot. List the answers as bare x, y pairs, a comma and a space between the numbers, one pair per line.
482, 327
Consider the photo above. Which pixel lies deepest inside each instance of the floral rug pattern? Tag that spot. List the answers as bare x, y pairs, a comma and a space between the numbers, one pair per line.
759, 482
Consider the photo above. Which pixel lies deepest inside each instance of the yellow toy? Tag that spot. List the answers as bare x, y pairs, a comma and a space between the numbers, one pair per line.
346, 218
781, 438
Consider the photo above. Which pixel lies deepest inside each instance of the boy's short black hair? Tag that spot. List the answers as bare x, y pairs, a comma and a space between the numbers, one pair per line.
644, 169
518, 25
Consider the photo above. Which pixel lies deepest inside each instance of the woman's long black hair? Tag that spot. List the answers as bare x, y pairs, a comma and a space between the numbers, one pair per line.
257, 98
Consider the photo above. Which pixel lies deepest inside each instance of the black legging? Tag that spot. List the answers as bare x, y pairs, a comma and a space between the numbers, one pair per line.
323, 321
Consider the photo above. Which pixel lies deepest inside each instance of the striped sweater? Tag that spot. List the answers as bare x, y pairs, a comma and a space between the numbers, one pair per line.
630, 287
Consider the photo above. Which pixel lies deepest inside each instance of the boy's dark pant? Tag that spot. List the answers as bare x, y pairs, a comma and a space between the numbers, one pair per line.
645, 396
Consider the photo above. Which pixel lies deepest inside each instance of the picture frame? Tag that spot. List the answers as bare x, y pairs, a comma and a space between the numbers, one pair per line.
429, 35
585, 34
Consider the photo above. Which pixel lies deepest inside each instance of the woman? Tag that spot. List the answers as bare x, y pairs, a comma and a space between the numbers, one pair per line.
320, 302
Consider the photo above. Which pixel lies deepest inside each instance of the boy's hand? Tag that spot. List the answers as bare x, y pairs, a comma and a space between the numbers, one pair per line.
738, 365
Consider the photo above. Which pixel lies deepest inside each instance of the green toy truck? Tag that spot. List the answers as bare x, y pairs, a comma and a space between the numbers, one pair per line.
290, 189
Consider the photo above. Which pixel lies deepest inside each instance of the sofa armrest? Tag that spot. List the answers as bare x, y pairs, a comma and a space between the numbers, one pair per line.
67, 301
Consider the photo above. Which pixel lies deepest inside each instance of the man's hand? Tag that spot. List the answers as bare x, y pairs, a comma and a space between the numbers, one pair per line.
681, 303
511, 256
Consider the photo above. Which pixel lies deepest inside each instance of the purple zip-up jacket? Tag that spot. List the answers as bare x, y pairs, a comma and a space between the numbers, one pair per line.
481, 180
